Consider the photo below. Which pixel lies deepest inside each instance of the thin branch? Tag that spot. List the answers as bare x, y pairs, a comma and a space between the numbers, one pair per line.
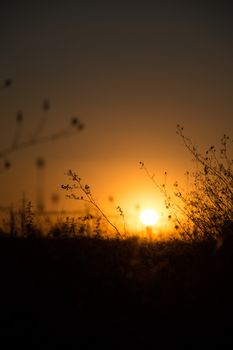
77, 185
74, 127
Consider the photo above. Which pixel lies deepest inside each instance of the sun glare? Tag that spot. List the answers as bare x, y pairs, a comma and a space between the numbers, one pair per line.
149, 217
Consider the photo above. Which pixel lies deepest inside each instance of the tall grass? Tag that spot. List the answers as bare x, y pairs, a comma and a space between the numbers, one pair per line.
205, 209
78, 191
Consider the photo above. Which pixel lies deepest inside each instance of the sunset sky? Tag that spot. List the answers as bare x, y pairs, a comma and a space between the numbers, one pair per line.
131, 71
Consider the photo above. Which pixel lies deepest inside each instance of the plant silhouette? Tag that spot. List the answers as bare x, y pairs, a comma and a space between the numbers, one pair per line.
37, 137
76, 186
205, 209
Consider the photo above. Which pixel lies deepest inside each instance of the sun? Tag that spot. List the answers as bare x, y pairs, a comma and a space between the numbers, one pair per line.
149, 217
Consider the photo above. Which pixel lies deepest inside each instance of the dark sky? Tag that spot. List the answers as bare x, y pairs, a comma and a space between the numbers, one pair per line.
131, 71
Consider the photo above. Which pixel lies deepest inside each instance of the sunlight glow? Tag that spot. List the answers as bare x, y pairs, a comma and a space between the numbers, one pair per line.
149, 217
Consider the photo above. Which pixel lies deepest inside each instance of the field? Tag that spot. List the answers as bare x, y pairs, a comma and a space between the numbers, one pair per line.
116, 175
80, 272
101, 279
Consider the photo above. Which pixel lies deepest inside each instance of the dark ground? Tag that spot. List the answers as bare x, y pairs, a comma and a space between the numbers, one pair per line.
55, 286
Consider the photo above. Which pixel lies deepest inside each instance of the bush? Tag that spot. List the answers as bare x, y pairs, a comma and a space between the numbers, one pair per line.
205, 210
208, 206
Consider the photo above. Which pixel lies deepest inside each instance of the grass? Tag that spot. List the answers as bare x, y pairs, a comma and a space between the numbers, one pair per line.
100, 279
204, 210
79, 269
76, 273
92, 290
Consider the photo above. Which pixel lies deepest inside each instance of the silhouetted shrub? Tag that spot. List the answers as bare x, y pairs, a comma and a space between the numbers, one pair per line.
205, 209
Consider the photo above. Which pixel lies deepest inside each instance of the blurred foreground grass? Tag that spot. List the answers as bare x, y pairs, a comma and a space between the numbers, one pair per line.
113, 279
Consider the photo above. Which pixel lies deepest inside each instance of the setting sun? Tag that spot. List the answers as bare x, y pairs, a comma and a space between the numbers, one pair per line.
149, 217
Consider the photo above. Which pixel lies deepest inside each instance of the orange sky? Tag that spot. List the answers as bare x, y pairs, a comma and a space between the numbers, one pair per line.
131, 73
